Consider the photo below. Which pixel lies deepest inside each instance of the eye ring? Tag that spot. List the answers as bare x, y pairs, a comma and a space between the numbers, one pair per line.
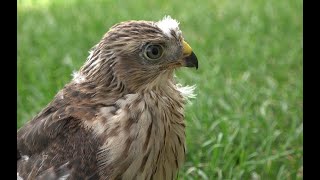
153, 52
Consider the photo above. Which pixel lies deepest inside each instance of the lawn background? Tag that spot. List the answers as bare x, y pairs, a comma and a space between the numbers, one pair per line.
247, 119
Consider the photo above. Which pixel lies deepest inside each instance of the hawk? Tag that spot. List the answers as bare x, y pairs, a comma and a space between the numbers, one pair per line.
122, 114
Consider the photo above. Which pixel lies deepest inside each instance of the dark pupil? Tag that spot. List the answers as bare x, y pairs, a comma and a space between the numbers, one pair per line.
155, 51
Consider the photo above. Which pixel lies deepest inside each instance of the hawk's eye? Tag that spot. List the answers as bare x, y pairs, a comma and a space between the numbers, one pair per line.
153, 52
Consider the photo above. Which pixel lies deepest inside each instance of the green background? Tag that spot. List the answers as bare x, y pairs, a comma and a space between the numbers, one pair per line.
247, 119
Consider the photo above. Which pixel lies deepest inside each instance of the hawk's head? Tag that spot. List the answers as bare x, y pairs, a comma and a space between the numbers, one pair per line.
139, 54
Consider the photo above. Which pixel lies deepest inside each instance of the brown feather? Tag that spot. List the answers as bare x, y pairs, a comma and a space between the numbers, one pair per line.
121, 117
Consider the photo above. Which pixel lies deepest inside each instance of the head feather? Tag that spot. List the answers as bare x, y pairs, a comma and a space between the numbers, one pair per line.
167, 25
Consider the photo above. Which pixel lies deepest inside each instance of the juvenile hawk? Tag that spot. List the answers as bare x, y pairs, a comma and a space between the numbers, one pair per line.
122, 115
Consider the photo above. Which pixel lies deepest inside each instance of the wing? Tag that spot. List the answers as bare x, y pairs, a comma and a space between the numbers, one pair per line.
70, 104
39, 132
54, 146
55, 143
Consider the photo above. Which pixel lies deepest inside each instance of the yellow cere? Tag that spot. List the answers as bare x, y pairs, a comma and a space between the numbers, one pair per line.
186, 49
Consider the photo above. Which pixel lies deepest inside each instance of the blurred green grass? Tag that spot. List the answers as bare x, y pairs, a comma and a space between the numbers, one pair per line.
247, 120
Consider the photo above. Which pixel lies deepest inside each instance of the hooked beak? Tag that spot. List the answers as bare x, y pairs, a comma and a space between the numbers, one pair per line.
189, 58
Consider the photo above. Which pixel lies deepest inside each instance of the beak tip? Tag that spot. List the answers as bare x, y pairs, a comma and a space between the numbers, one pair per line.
191, 61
